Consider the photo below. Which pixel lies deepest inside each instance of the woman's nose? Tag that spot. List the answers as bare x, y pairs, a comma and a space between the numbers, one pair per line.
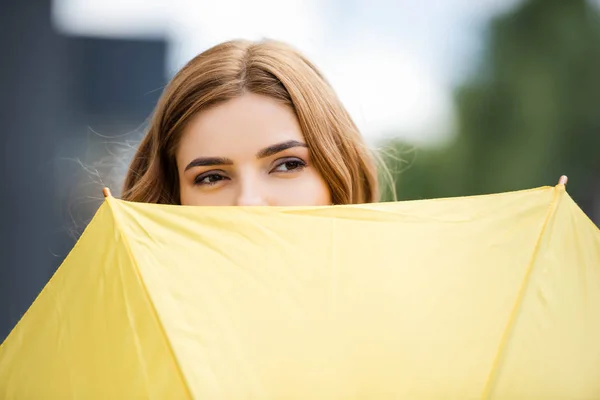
251, 201
250, 194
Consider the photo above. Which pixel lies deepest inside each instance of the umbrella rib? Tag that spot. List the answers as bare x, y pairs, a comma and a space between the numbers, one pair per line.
127, 246
520, 295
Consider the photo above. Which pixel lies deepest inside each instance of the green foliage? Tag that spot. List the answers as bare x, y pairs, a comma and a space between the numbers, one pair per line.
529, 113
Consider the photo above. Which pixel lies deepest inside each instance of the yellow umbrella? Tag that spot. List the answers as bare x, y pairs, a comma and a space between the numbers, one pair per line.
483, 297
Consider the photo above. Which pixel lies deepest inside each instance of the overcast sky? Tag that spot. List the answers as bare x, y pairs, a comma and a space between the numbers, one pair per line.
393, 62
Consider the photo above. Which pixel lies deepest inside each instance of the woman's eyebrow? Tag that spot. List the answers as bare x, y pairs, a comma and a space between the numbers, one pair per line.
276, 148
208, 161
266, 152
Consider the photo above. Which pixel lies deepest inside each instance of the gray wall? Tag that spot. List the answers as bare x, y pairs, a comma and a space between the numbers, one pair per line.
53, 88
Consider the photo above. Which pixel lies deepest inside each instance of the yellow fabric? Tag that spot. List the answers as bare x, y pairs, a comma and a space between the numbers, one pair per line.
486, 297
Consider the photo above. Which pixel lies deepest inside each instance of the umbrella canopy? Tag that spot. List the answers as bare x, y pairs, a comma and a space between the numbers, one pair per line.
483, 297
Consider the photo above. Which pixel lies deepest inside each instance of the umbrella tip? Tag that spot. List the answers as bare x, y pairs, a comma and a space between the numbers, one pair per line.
563, 180
106, 192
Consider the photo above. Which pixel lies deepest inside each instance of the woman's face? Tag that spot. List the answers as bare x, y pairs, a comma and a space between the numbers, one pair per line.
249, 151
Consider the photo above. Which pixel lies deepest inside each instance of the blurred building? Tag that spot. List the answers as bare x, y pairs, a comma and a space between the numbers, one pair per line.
61, 97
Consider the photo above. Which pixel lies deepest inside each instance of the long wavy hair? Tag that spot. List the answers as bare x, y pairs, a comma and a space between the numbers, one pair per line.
268, 68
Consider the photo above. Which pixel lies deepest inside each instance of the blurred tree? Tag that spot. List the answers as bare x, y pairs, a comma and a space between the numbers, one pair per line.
529, 113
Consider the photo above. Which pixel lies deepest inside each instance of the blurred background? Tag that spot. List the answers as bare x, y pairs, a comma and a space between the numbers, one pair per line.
461, 97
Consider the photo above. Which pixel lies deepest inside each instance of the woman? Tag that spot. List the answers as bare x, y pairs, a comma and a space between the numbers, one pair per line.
248, 123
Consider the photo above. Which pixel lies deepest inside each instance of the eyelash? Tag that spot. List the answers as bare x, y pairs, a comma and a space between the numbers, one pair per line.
300, 166
200, 178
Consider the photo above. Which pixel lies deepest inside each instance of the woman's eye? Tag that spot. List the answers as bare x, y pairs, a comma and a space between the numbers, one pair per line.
290, 165
209, 179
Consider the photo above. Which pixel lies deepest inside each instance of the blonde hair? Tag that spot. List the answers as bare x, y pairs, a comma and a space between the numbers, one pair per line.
268, 68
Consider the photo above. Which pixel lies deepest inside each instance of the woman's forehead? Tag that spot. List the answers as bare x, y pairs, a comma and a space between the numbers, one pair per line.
240, 126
